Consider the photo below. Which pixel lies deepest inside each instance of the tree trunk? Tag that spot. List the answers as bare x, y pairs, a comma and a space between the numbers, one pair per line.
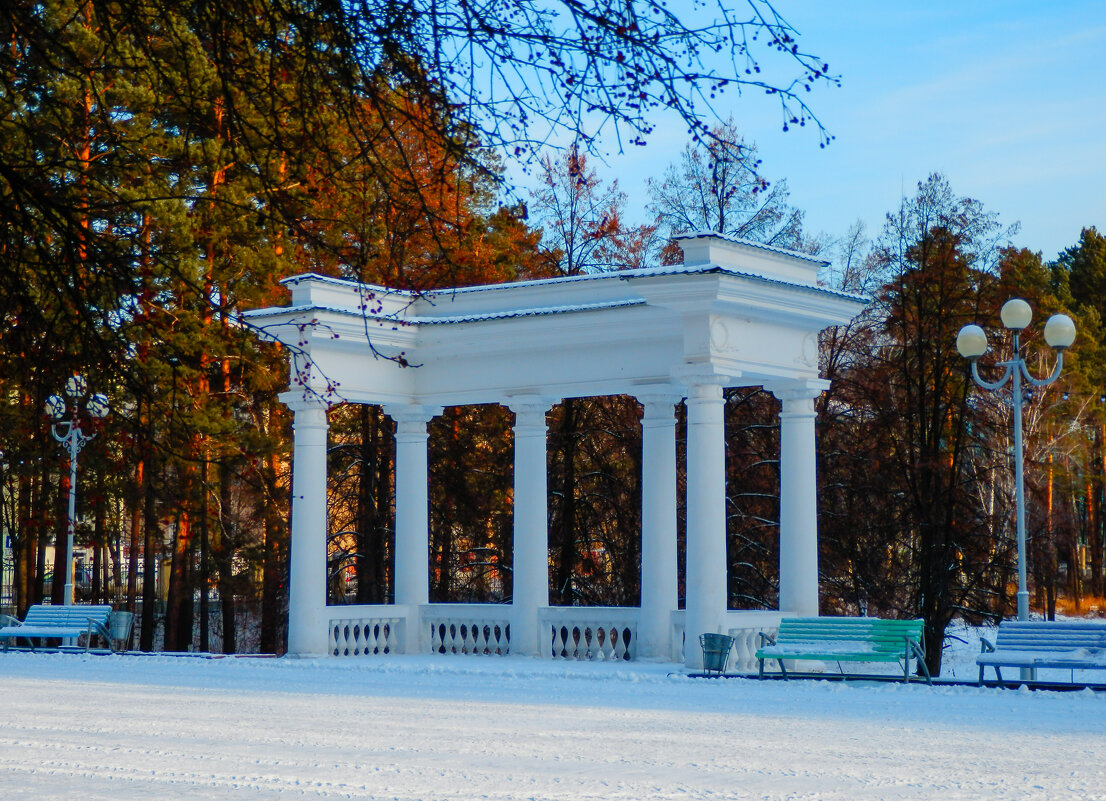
26, 550
372, 520
151, 534
204, 579
61, 536
114, 555
178, 612
136, 527
384, 567
42, 536
563, 531
1051, 562
1094, 519
274, 565
223, 552
96, 588
1098, 521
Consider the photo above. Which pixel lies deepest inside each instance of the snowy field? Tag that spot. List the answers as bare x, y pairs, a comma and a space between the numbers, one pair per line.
158, 728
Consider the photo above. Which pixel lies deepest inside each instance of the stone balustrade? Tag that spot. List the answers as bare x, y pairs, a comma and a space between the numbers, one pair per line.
567, 632
467, 628
365, 631
590, 633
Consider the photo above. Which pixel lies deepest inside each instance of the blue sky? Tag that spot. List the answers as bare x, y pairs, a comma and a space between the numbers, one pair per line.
1007, 99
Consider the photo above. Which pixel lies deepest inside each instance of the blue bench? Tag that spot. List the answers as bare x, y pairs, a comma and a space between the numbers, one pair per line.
1032, 644
846, 639
65, 622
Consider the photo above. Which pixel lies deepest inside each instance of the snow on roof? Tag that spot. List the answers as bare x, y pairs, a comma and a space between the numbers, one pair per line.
690, 269
713, 253
619, 275
528, 312
452, 319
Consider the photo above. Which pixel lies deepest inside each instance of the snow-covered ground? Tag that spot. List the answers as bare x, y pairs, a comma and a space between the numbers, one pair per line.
158, 728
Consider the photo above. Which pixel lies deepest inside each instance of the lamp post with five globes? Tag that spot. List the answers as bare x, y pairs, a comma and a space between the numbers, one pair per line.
72, 438
971, 342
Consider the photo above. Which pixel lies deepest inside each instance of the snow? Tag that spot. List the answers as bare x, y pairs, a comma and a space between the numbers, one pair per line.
76, 726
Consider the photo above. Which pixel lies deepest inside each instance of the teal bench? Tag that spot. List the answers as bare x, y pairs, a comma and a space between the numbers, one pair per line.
845, 639
66, 622
1066, 645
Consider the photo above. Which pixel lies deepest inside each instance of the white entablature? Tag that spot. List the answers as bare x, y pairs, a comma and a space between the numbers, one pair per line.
734, 314
744, 313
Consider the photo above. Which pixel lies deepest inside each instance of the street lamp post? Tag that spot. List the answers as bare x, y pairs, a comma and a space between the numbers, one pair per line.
72, 438
971, 342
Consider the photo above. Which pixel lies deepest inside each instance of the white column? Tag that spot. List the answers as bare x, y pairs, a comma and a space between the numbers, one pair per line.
530, 580
706, 515
412, 548
307, 620
659, 579
798, 502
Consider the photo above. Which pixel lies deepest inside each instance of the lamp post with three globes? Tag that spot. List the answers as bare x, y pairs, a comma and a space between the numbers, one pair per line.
971, 343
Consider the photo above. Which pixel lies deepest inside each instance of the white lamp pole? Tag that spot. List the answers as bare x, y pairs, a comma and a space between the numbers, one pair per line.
971, 342
72, 438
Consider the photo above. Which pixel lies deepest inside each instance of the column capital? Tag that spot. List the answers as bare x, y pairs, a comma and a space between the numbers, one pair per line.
706, 392
703, 374
407, 414
310, 417
797, 398
302, 400
658, 399
804, 390
528, 406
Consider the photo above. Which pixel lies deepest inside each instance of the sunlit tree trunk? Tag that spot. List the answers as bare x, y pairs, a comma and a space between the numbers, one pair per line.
1095, 523
563, 536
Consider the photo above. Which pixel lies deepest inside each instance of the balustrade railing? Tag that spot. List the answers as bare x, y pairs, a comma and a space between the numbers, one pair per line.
468, 628
591, 633
571, 632
365, 631
745, 628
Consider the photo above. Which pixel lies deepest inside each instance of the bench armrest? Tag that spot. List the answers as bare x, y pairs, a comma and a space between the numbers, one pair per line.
8, 620
915, 646
96, 627
986, 646
919, 651
766, 638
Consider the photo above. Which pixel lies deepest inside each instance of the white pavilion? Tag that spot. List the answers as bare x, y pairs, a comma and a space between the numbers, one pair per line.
735, 313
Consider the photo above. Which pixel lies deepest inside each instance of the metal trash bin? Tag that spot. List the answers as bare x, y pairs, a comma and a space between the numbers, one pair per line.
119, 627
716, 652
